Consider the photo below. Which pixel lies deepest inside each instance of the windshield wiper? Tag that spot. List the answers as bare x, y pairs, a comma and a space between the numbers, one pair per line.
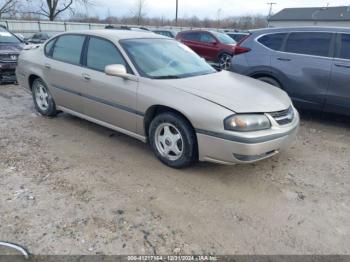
166, 77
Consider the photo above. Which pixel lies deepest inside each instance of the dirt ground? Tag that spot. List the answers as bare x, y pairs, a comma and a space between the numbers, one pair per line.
68, 186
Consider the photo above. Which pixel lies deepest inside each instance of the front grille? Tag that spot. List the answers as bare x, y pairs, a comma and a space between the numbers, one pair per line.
9, 58
283, 117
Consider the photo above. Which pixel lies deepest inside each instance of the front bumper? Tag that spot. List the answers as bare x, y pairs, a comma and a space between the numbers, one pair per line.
242, 150
7, 72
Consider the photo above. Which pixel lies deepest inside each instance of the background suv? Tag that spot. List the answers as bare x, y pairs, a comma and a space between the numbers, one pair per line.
213, 46
311, 64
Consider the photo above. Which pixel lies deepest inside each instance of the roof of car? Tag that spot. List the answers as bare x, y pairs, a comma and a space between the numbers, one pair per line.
117, 34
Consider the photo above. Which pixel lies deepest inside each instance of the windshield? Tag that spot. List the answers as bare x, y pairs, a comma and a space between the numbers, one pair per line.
7, 37
224, 38
165, 59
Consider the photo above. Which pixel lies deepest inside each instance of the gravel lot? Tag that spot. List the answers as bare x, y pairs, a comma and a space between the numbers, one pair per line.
71, 187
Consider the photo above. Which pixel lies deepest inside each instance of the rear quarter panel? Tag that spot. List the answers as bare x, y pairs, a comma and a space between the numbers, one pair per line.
30, 63
258, 59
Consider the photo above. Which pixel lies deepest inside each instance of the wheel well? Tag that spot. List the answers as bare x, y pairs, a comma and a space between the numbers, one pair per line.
31, 80
259, 75
155, 110
222, 52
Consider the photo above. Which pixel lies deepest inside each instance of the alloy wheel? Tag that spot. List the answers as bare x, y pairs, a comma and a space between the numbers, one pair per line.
225, 62
169, 141
41, 96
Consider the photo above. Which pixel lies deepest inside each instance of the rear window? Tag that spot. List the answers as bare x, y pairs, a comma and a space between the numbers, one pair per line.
273, 41
309, 43
344, 51
68, 48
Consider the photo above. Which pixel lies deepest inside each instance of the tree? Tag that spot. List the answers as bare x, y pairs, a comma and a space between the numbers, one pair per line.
53, 8
139, 10
8, 6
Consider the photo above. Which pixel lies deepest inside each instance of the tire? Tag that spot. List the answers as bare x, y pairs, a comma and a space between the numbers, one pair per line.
43, 100
173, 140
270, 81
225, 61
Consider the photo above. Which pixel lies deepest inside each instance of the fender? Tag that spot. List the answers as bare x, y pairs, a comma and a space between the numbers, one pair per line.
269, 72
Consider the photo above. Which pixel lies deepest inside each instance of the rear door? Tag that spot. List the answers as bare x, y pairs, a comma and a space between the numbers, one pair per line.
192, 40
63, 71
306, 63
338, 97
107, 98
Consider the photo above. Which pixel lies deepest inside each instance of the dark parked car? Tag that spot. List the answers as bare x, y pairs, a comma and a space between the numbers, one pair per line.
237, 36
311, 64
10, 47
39, 38
215, 47
168, 33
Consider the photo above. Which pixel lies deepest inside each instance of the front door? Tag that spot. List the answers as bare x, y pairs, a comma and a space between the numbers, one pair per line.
107, 98
338, 96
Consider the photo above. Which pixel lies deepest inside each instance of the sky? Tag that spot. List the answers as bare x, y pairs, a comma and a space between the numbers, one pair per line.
202, 8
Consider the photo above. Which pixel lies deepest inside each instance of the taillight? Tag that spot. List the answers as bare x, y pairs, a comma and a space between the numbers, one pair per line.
241, 49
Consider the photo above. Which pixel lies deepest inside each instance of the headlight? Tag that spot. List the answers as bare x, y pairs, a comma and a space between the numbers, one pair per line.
245, 123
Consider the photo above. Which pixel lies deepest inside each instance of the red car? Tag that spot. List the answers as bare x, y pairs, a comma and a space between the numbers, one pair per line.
213, 46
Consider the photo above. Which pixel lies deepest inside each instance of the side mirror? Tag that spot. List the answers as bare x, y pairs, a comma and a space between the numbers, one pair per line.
116, 70
119, 71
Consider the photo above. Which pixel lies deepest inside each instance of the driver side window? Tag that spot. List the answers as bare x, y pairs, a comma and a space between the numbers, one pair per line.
102, 53
207, 38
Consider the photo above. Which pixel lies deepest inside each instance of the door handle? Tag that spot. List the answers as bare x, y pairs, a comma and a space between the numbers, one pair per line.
48, 66
343, 65
86, 77
284, 59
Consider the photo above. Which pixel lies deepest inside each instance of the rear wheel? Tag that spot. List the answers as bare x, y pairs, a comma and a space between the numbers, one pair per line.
173, 140
43, 100
270, 81
225, 61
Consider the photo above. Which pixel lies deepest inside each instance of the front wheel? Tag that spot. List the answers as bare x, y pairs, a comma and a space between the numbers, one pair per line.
225, 61
173, 140
43, 100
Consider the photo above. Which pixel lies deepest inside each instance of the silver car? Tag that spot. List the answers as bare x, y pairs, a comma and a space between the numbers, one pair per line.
157, 90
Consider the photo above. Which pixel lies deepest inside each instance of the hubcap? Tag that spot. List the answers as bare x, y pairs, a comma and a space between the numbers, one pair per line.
225, 62
41, 96
169, 141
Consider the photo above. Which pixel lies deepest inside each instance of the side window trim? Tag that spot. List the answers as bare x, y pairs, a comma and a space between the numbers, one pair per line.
83, 55
332, 48
284, 42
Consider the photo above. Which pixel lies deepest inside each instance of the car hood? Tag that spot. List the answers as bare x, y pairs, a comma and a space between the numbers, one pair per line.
10, 48
238, 93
